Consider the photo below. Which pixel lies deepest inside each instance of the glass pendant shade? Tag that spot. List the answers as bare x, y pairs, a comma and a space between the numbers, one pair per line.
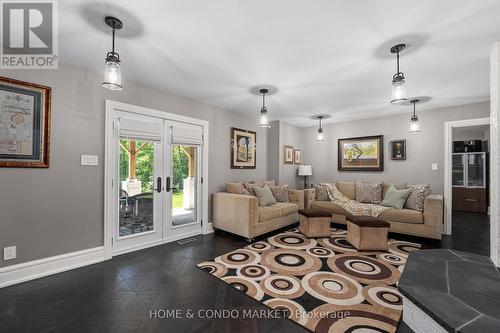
414, 125
112, 75
264, 119
320, 136
398, 92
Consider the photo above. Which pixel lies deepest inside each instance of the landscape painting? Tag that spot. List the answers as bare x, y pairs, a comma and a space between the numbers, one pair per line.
243, 149
361, 154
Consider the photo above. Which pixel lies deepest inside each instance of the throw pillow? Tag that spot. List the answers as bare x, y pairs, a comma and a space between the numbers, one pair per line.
416, 199
321, 193
264, 195
280, 193
249, 188
369, 192
396, 198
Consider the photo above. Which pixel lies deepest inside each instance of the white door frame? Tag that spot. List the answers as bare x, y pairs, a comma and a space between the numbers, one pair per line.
112, 108
448, 150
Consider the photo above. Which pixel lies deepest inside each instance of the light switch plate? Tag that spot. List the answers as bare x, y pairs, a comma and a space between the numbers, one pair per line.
9, 253
89, 160
435, 167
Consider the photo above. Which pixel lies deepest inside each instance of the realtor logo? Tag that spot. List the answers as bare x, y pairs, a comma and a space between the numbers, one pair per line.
29, 35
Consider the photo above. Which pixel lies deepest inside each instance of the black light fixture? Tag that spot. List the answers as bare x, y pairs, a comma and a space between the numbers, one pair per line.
414, 126
264, 115
398, 79
320, 136
112, 70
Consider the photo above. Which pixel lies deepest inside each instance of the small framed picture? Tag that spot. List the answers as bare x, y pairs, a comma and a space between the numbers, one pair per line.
296, 156
288, 154
398, 150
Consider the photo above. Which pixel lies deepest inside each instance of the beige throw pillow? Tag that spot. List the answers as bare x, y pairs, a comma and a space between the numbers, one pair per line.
280, 193
416, 199
369, 192
321, 193
264, 196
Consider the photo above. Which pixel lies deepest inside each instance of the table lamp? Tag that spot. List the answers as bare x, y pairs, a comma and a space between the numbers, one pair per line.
305, 170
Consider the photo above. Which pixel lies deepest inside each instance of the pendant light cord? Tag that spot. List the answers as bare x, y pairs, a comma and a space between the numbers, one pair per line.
397, 62
264, 100
414, 102
113, 42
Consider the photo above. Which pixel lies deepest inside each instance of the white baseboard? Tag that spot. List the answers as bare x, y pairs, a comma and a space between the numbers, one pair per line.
47, 266
210, 229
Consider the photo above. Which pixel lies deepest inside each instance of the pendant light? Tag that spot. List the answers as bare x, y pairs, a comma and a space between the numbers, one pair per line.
264, 115
414, 126
320, 135
112, 70
398, 79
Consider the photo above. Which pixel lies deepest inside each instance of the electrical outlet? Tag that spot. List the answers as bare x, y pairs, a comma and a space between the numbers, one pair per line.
434, 167
9, 253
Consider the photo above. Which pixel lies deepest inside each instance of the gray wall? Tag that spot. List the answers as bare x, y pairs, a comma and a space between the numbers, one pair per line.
280, 134
423, 148
46, 212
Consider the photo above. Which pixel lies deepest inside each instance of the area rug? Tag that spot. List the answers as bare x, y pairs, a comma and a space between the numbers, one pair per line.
323, 284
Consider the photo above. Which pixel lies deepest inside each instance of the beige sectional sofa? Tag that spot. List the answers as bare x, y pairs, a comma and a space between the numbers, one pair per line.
428, 223
241, 215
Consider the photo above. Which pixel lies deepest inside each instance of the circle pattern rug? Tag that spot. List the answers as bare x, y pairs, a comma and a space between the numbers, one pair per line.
323, 284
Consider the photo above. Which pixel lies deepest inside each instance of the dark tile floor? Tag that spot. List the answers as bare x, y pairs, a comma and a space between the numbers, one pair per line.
118, 295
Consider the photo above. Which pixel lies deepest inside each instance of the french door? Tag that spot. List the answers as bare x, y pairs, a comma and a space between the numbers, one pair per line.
158, 181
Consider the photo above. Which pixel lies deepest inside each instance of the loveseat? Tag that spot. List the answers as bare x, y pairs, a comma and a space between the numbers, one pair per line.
240, 214
427, 223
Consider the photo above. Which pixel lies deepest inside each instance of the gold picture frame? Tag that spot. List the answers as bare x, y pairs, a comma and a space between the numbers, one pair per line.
288, 156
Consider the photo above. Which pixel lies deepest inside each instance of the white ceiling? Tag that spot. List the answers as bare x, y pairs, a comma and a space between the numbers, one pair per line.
323, 56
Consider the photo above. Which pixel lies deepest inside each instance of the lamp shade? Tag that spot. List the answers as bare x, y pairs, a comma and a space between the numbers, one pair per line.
305, 170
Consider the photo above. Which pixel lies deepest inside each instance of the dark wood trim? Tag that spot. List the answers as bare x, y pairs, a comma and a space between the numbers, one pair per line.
47, 93
233, 166
380, 155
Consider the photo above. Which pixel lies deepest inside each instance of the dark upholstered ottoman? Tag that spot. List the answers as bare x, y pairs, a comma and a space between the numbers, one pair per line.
367, 233
315, 223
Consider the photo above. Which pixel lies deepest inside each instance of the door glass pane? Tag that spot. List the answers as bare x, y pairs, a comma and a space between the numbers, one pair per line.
136, 187
184, 184
458, 170
475, 171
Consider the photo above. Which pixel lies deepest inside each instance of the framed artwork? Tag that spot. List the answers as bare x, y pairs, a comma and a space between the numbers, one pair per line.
361, 153
24, 124
288, 154
296, 156
398, 150
243, 149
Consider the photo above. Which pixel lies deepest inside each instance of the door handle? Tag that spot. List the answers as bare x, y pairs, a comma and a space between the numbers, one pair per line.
168, 188
158, 185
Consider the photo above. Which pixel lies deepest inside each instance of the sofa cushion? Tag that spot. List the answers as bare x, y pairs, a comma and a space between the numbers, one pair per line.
348, 189
328, 206
402, 215
369, 192
264, 195
235, 187
321, 192
416, 199
395, 198
398, 186
280, 193
288, 208
270, 213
